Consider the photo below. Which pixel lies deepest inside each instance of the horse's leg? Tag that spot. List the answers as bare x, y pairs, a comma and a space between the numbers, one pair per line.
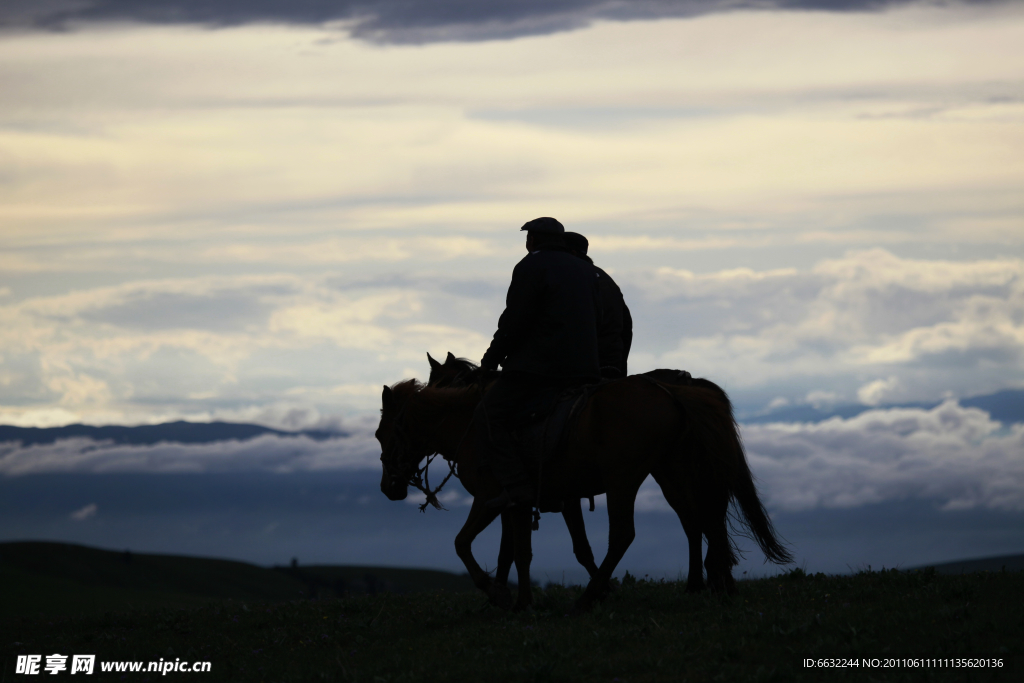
505, 551
521, 517
621, 533
573, 516
720, 559
673, 486
479, 518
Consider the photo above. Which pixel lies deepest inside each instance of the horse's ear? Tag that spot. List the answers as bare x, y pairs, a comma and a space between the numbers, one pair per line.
434, 365
450, 359
387, 398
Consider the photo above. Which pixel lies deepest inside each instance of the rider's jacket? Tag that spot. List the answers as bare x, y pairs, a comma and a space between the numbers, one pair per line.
549, 326
615, 329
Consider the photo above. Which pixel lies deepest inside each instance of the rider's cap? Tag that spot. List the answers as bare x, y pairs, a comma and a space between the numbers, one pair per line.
576, 242
548, 225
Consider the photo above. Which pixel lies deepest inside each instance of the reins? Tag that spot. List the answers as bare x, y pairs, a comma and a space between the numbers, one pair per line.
421, 480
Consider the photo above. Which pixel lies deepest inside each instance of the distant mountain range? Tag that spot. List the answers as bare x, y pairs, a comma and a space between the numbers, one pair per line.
1005, 406
169, 432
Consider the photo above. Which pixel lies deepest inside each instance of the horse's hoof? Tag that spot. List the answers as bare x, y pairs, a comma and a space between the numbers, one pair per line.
499, 595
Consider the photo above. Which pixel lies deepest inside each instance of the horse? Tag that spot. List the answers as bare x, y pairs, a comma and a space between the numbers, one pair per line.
628, 429
460, 371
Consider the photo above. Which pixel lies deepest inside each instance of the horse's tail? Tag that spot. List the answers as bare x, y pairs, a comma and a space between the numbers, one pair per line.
744, 492
717, 440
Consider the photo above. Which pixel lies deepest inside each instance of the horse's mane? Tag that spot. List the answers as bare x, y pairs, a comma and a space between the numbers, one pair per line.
464, 364
433, 396
406, 388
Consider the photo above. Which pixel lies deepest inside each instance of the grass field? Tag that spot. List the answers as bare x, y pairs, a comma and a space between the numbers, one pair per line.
62, 579
645, 631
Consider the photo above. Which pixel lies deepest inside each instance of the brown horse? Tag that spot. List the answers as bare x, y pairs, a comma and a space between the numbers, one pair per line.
628, 429
460, 371
456, 372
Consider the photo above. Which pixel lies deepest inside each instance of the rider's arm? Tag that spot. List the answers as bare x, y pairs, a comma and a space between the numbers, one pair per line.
521, 305
627, 336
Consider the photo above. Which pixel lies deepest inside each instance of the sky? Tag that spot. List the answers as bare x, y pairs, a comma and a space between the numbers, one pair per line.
265, 211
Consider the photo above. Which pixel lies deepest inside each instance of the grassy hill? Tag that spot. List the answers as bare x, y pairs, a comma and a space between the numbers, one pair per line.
644, 632
42, 578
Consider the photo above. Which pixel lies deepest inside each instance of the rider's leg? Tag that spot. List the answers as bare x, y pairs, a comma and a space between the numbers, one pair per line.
501, 407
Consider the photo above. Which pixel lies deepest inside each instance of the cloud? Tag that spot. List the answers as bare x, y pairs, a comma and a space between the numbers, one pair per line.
873, 393
284, 349
404, 22
275, 349
232, 310
950, 456
612, 243
270, 453
925, 326
85, 512
955, 456
291, 217
134, 149
341, 251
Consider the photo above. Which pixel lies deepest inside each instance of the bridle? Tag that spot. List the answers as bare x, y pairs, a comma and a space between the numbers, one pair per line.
400, 443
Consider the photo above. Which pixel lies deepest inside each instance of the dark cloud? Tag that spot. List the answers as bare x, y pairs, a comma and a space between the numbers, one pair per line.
1003, 406
402, 21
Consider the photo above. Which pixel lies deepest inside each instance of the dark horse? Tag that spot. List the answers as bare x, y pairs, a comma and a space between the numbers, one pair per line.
460, 372
628, 429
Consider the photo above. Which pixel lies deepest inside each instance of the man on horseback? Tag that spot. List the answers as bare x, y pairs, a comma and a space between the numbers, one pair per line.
615, 331
546, 341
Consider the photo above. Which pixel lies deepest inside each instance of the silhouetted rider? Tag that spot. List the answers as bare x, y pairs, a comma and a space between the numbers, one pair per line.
615, 329
546, 341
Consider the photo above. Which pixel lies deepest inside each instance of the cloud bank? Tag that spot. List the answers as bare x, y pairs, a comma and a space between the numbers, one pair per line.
280, 455
395, 21
950, 456
954, 456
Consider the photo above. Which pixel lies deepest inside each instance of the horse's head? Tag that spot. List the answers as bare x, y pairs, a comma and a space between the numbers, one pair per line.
400, 450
